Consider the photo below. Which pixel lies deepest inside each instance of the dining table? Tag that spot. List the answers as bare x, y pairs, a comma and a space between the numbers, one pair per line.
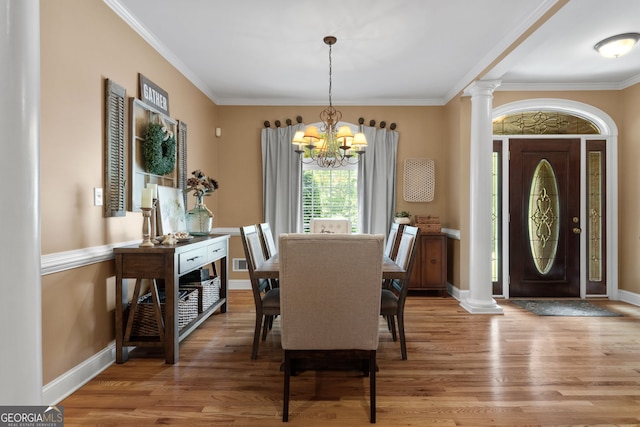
270, 269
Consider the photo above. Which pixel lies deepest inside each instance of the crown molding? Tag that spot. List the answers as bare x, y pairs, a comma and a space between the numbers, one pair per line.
162, 49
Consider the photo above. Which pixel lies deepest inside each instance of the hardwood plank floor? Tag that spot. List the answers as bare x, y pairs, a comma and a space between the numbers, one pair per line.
514, 369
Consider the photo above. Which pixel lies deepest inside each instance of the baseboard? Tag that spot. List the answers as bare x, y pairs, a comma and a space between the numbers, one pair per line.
629, 297
235, 285
63, 386
456, 292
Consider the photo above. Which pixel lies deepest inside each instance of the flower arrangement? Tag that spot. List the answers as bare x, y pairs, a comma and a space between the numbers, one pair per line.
200, 184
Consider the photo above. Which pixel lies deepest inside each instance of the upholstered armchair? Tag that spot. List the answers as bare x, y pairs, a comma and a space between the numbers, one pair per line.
330, 302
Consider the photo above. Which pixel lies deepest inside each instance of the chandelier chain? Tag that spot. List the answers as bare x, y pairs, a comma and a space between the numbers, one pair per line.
330, 80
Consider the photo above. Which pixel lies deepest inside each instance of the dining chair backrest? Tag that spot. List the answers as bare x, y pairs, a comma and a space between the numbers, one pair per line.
330, 225
391, 240
265, 296
405, 257
394, 292
268, 242
255, 258
328, 302
252, 239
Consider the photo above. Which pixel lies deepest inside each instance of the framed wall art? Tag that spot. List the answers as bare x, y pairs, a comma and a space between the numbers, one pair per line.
171, 213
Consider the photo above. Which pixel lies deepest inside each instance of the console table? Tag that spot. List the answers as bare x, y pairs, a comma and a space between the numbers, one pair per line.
166, 264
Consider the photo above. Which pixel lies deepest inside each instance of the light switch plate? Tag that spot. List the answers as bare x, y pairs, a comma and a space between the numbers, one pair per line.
97, 197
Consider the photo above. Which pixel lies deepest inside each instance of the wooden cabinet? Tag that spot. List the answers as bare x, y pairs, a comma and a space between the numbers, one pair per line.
430, 265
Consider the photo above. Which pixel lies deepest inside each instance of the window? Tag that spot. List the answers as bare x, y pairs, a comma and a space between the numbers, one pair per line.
329, 193
496, 219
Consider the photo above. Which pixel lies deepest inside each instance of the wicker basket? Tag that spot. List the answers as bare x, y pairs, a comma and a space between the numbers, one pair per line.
208, 292
428, 224
427, 219
145, 323
429, 228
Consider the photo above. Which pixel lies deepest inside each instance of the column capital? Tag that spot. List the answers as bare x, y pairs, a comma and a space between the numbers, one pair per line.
482, 87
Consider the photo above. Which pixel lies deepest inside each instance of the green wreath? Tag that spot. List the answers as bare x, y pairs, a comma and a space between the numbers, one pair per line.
159, 150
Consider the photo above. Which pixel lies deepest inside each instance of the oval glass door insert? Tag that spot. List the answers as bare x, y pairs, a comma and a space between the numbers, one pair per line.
543, 224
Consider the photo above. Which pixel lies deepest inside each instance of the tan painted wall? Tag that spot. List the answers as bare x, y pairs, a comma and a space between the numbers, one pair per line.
422, 134
458, 112
82, 43
629, 196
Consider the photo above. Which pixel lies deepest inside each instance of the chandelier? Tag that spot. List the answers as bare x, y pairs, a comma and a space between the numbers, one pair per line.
330, 146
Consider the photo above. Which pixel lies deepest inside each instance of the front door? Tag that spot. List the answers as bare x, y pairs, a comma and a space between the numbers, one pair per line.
544, 228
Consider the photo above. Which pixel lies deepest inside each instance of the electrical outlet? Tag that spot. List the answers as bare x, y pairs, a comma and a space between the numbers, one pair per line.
97, 197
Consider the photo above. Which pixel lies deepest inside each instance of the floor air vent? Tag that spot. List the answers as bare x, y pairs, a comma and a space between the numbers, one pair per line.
240, 264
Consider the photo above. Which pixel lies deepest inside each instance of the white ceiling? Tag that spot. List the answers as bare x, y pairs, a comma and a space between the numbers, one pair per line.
389, 52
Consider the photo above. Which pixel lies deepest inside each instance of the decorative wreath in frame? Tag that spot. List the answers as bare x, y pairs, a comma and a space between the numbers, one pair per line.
159, 149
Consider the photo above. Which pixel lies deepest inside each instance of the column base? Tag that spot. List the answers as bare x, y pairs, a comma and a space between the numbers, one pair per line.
481, 307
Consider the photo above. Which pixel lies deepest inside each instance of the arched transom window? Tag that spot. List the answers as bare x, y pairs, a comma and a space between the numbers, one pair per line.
543, 123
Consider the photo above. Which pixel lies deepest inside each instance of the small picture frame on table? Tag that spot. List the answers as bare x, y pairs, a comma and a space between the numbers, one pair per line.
171, 212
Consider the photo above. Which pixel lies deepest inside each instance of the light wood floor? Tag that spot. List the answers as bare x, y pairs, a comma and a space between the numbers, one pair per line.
463, 370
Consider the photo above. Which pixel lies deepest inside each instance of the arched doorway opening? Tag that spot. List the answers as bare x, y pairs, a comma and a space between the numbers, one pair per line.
561, 244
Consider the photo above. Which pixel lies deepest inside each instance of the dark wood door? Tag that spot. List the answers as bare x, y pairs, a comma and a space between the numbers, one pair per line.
544, 229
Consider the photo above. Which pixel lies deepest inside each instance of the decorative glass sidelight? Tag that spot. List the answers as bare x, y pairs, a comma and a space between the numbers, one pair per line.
595, 216
495, 217
543, 224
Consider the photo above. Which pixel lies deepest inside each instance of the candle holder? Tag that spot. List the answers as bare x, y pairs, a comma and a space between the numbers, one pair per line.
154, 221
146, 226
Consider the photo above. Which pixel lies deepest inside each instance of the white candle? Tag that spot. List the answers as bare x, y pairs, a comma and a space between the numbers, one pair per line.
146, 198
154, 190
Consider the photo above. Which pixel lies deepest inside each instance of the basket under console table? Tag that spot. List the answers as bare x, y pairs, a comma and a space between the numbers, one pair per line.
163, 266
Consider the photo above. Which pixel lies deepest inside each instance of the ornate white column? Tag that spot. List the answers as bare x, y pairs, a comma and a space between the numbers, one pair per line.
20, 285
480, 298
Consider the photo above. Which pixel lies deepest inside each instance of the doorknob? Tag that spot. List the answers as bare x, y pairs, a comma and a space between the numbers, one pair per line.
577, 230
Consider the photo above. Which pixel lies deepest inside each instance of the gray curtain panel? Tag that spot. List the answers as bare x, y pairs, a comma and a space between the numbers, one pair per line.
282, 177
377, 181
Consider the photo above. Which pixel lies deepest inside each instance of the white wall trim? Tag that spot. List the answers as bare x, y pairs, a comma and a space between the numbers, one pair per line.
235, 285
63, 386
455, 292
629, 297
68, 260
61, 261
231, 231
451, 233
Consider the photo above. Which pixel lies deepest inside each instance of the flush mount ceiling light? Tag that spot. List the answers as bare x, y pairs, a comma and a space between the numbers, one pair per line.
616, 46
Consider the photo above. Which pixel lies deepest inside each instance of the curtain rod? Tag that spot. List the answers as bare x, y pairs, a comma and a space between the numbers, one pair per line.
372, 123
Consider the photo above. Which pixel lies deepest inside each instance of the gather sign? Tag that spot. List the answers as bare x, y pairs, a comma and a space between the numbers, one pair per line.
153, 95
